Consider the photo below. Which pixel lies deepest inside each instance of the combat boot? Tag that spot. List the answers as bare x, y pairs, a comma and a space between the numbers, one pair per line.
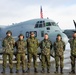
72, 72
3, 71
17, 71
35, 70
48, 71
56, 70
11, 71
28, 70
61, 70
43, 70
23, 71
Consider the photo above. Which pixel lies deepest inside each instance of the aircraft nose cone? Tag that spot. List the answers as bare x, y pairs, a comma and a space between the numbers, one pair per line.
65, 38
53, 37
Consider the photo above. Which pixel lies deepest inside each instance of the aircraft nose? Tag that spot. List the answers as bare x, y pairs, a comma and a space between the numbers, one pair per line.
53, 37
64, 38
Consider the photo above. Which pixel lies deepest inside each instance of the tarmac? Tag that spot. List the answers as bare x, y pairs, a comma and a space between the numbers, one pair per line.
66, 69
52, 70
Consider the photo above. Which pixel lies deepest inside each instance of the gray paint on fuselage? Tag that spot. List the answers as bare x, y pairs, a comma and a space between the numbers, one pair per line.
29, 26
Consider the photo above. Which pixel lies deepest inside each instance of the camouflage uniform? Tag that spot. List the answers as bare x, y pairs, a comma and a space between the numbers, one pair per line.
8, 47
32, 45
73, 54
59, 47
45, 46
20, 46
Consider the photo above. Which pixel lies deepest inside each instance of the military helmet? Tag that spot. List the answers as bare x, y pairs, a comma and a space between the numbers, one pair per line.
46, 34
21, 35
58, 35
9, 32
31, 33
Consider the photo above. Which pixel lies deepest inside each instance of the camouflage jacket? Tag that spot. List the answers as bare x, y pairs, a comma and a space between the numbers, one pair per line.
20, 46
59, 47
8, 44
73, 46
32, 45
46, 46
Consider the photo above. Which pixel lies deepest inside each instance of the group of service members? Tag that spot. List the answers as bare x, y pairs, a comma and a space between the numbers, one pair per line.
32, 45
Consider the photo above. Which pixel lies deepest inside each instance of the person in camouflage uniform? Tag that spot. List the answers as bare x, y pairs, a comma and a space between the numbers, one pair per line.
8, 47
32, 46
20, 46
73, 52
59, 47
46, 46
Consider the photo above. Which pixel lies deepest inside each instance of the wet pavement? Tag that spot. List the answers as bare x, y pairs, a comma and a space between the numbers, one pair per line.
66, 69
52, 69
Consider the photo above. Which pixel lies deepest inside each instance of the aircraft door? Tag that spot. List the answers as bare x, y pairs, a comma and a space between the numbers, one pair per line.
42, 33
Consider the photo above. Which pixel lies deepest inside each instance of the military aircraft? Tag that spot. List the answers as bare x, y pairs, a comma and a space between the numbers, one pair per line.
69, 32
38, 26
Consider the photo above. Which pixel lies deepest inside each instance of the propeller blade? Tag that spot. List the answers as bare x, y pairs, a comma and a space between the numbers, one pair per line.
74, 23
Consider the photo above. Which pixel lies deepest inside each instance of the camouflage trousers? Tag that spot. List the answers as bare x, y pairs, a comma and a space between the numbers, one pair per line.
59, 61
34, 56
20, 60
10, 57
73, 63
45, 60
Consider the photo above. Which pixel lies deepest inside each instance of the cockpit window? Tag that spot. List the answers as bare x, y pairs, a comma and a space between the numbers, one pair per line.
50, 24
53, 23
36, 26
41, 21
40, 24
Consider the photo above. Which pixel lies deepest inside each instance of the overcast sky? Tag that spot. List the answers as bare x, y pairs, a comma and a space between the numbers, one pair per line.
15, 11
